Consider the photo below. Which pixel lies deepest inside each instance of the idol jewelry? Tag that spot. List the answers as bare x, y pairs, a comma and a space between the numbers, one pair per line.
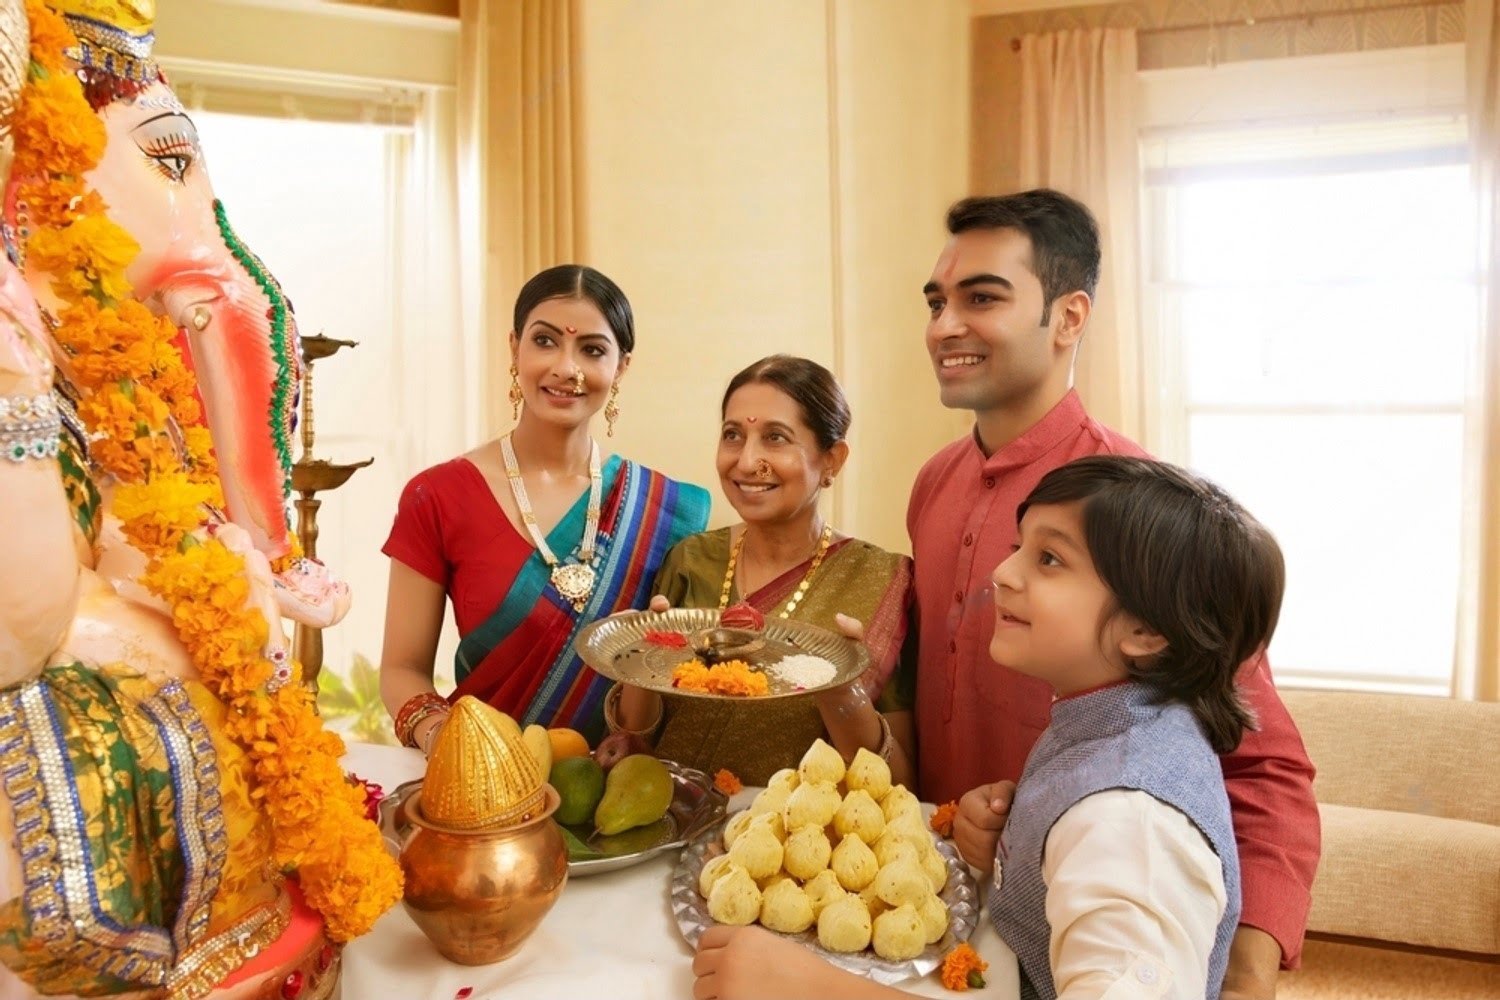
573, 580
30, 427
791, 606
612, 408
515, 392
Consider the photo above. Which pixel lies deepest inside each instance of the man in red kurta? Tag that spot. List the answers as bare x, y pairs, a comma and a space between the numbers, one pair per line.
1009, 298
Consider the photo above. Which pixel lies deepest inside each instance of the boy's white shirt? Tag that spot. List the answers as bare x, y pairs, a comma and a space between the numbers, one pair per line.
1134, 897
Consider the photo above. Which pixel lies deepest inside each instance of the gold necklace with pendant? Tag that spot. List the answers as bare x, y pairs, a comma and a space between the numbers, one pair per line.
801, 592
573, 580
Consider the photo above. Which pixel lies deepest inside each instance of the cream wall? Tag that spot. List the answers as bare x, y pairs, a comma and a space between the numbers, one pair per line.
766, 177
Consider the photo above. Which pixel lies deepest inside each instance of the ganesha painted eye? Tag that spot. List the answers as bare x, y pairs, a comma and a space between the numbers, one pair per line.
170, 144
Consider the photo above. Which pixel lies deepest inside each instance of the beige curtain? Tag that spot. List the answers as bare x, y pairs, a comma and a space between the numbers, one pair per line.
1483, 41
1079, 135
520, 163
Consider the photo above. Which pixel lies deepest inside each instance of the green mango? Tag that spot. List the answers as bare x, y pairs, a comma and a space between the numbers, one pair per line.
580, 784
638, 791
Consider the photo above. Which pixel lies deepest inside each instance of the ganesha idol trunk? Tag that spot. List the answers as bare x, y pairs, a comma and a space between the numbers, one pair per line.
478, 895
484, 860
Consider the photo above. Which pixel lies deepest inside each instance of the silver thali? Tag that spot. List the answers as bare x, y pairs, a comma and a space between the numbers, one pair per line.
696, 805
617, 648
960, 895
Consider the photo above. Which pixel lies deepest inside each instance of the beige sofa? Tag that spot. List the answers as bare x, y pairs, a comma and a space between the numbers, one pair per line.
1409, 791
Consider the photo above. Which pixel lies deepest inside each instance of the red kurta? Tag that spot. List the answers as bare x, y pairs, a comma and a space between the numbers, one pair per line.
977, 720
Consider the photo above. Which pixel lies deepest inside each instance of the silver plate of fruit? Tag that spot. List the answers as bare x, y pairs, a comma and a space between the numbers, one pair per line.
694, 805
646, 648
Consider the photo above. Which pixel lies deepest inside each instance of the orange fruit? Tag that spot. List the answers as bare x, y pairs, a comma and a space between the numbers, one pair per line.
567, 743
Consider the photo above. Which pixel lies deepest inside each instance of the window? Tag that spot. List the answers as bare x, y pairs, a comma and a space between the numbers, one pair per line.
1315, 293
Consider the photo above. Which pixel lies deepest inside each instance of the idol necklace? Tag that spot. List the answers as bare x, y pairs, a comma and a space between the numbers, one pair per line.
573, 580
801, 592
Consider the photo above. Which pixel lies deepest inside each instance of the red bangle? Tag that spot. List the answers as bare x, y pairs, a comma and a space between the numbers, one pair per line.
412, 713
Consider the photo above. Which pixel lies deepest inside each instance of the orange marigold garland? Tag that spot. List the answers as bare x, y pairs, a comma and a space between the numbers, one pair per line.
140, 406
963, 968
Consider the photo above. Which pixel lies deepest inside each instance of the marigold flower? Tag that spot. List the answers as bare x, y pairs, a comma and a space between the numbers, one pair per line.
726, 782
942, 819
962, 968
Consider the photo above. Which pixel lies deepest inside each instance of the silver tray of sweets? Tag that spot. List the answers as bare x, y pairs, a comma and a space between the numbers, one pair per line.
960, 895
629, 647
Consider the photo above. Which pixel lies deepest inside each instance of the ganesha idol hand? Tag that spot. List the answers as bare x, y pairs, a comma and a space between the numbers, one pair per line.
308, 594
25, 361
263, 589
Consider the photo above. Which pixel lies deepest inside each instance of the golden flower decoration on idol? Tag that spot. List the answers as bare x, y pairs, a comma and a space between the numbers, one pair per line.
480, 774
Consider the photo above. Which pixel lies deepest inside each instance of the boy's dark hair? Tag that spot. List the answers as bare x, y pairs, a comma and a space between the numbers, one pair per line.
1064, 236
577, 281
1182, 556
824, 407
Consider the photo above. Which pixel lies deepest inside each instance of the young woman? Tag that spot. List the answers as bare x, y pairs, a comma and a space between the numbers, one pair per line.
533, 535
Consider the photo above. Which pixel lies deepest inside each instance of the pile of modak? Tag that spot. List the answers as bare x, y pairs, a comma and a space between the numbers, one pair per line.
843, 850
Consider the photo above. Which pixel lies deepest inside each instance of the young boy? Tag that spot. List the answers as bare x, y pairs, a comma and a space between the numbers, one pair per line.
1135, 592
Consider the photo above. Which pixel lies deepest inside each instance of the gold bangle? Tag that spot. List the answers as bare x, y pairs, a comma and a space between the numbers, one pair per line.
612, 713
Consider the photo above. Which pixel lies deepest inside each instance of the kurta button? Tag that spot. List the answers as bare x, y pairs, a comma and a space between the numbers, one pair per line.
968, 539
1146, 974
952, 646
958, 598
989, 482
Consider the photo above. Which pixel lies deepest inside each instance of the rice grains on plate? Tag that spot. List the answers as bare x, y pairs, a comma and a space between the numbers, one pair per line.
803, 671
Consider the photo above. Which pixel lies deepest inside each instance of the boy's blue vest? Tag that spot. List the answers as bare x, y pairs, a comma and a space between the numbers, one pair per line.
1108, 739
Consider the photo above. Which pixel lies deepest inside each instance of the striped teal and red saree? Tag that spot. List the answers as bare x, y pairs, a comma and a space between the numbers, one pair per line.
521, 659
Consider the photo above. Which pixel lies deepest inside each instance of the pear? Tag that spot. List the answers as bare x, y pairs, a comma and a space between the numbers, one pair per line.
637, 792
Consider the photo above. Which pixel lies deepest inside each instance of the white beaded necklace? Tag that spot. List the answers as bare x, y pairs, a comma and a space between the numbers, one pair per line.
573, 580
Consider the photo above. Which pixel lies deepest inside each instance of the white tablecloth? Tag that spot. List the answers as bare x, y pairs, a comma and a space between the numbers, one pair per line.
610, 935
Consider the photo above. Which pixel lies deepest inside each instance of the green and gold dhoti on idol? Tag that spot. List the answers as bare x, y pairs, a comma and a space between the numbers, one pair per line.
141, 858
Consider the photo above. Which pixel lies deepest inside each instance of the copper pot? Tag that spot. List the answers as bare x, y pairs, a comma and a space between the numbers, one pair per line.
478, 895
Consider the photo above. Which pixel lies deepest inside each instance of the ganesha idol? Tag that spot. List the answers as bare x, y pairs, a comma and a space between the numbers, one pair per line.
238, 330
135, 859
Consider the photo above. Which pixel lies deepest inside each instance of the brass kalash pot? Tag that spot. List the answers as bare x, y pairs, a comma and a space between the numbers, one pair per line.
484, 860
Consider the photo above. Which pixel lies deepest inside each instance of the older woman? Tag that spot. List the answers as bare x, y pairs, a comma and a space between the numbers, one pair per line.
532, 535
780, 445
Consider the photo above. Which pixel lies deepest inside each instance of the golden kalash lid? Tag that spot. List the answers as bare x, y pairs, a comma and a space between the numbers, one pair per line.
480, 774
